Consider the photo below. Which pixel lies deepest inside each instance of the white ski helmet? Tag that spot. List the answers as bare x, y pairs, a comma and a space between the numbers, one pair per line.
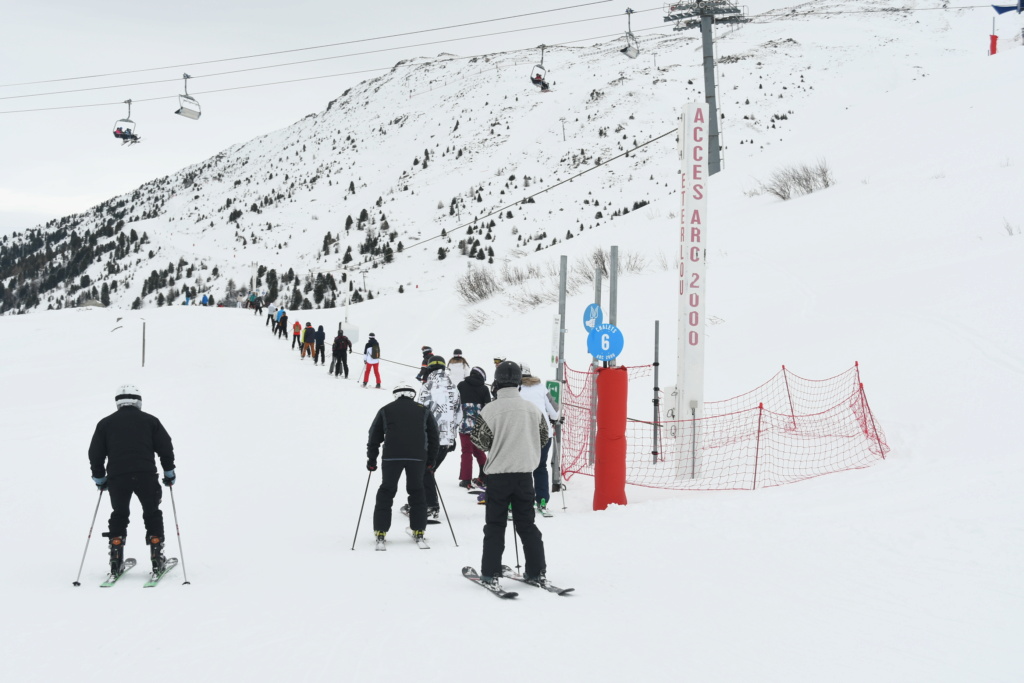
404, 389
128, 395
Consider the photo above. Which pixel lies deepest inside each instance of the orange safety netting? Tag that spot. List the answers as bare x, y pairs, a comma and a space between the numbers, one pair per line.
786, 430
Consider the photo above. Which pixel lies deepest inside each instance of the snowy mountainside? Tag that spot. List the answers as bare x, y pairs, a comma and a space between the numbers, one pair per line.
438, 143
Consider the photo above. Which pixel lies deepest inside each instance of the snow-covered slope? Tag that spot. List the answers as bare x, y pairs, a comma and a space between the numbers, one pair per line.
909, 570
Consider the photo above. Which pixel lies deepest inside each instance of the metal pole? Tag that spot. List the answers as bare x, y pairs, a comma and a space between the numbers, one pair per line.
591, 455
438, 489
181, 551
613, 287
361, 505
714, 153
655, 423
556, 448
87, 539
143, 343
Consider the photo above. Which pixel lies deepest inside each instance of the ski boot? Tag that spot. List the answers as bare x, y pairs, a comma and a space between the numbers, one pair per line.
116, 545
156, 554
465, 483
433, 512
379, 535
478, 482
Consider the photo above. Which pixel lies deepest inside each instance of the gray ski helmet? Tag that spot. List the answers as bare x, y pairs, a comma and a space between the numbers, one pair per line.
128, 395
404, 389
507, 374
526, 370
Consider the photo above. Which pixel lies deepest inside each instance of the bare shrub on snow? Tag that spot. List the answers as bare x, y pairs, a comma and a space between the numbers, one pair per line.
790, 181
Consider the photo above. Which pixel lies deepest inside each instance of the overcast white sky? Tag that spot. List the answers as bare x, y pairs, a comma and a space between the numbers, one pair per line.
60, 162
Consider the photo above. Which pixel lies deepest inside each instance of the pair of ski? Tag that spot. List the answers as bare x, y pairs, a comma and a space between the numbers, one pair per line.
421, 543
154, 577
508, 573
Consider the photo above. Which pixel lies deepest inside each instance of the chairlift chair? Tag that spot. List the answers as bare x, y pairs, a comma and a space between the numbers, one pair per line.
125, 129
187, 105
539, 75
632, 49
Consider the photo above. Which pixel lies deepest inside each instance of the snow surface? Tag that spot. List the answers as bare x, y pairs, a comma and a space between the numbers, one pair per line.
907, 571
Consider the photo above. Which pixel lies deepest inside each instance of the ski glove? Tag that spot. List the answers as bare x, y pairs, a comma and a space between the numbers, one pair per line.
169, 477
371, 466
101, 483
431, 465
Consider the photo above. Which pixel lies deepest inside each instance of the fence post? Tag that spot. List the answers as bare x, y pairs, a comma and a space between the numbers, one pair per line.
789, 395
757, 448
874, 427
655, 426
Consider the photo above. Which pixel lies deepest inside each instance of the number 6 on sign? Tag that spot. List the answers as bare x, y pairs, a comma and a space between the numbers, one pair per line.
605, 342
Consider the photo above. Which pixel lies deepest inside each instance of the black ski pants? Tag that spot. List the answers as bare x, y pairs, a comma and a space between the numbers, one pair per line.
390, 472
318, 353
147, 488
339, 364
515, 489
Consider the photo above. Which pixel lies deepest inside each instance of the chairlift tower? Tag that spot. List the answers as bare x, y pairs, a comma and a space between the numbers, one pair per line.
703, 13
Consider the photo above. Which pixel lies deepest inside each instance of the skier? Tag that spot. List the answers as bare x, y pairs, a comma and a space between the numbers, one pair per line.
282, 325
441, 397
371, 357
320, 337
537, 394
126, 441
308, 340
458, 367
511, 430
427, 354
409, 434
271, 314
339, 353
474, 396
297, 335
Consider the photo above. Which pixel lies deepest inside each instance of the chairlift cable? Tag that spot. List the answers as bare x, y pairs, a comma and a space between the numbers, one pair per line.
303, 49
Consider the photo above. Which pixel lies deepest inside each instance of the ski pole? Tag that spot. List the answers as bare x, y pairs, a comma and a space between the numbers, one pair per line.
515, 540
88, 538
438, 489
368, 475
181, 552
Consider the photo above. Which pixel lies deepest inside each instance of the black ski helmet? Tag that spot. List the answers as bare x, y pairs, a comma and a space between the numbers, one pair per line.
435, 363
507, 374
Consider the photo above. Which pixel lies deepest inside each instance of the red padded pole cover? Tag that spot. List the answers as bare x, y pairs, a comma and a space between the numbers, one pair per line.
610, 447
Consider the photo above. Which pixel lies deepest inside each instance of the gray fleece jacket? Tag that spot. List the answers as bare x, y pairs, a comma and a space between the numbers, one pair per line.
511, 430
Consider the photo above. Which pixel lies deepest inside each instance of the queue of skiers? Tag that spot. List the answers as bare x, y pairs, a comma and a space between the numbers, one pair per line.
506, 430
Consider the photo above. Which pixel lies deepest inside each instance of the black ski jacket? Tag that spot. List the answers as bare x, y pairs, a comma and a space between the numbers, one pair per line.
341, 347
474, 390
127, 440
408, 431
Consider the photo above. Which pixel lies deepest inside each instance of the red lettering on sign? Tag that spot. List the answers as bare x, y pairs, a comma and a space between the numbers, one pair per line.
693, 338
695, 217
698, 192
695, 254
694, 318
698, 135
698, 116
697, 172
695, 235
695, 300
693, 284
697, 156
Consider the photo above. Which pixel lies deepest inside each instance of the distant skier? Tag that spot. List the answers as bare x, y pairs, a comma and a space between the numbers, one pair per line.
537, 394
297, 335
441, 397
271, 314
121, 458
409, 434
474, 396
319, 338
427, 354
340, 349
458, 367
371, 357
282, 325
511, 430
308, 340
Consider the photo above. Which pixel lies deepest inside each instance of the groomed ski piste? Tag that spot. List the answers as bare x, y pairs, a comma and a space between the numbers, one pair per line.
912, 264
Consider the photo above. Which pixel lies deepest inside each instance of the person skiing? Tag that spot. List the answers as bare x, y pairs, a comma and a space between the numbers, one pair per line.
409, 435
511, 430
427, 353
121, 459
458, 367
441, 397
320, 338
282, 325
308, 340
340, 349
537, 394
371, 357
271, 314
297, 335
474, 396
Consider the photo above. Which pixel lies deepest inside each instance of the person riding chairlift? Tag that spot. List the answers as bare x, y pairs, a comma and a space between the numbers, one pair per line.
118, 132
538, 81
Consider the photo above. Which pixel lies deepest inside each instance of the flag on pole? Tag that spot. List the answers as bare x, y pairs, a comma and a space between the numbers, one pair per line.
1003, 9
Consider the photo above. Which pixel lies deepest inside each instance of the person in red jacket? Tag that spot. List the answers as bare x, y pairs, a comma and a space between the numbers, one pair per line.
296, 331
